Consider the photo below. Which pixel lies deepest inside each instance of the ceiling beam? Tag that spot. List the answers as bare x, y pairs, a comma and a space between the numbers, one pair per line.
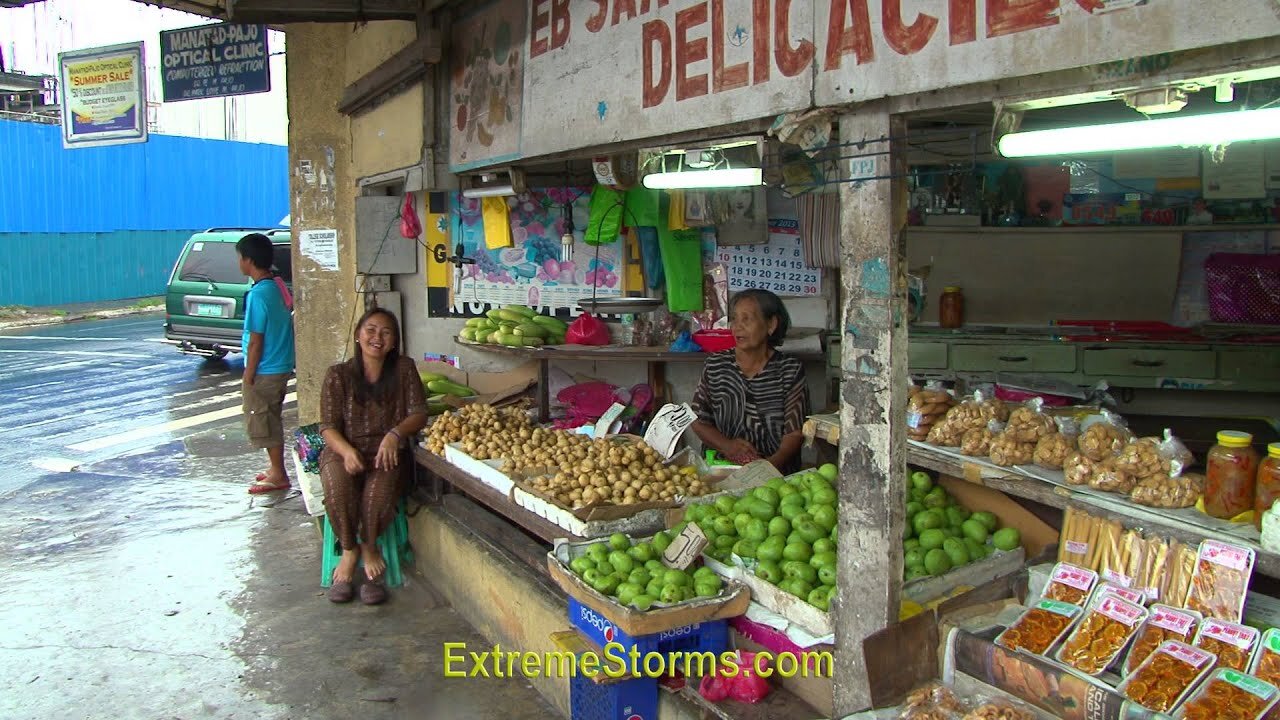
406, 67
287, 11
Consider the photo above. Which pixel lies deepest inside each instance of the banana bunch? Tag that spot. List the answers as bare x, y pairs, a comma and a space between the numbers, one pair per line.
515, 326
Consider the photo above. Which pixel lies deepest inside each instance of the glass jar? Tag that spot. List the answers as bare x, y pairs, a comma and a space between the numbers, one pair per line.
951, 308
1230, 476
1268, 482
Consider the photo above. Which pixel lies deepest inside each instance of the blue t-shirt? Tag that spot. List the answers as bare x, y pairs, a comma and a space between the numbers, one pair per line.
265, 313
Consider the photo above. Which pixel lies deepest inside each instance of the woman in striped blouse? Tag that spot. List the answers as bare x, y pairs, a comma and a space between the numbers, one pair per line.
752, 401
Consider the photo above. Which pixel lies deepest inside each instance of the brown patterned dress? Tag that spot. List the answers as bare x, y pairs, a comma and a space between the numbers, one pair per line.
370, 497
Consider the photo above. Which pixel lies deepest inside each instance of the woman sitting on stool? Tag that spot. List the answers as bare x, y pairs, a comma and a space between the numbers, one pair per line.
370, 406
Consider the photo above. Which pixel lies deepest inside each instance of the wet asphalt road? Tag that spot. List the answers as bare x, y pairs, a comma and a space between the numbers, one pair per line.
139, 580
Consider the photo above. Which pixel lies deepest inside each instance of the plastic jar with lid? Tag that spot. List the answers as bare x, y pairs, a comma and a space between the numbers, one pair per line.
951, 307
1230, 475
1267, 485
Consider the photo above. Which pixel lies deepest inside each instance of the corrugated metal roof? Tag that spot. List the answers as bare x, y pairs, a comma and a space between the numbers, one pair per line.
166, 183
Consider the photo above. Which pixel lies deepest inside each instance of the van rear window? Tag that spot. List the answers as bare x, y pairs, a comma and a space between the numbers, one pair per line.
213, 261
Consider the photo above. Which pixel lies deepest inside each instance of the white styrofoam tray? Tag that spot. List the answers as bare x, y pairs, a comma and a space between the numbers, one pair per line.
486, 471
645, 522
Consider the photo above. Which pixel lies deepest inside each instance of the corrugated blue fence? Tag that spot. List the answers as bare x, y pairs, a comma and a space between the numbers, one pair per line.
107, 223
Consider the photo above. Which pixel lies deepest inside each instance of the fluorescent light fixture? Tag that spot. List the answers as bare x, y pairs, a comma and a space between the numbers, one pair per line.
728, 177
494, 191
1194, 130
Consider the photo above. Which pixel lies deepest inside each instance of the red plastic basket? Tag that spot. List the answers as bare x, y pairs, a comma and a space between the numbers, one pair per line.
714, 340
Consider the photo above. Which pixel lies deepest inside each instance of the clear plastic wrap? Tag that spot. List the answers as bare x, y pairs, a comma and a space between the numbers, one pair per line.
1006, 450
926, 407
1164, 491
1162, 624
1029, 423
933, 701
1104, 437
1079, 469
1222, 572
977, 443
1037, 629
1230, 694
974, 413
1110, 478
1167, 676
1102, 634
1053, 450
1234, 644
1070, 584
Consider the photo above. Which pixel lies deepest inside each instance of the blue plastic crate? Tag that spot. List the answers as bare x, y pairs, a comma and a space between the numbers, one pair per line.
635, 699
699, 637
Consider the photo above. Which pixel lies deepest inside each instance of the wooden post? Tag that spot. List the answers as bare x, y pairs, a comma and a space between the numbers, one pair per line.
872, 394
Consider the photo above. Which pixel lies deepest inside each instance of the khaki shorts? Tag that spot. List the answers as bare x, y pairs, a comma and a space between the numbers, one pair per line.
263, 406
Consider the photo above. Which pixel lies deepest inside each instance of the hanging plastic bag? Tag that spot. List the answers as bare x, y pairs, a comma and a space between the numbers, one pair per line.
604, 219
651, 256
746, 686
685, 343
587, 330
410, 226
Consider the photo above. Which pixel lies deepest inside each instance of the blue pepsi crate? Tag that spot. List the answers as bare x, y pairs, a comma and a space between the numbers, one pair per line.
635, 699
710, 636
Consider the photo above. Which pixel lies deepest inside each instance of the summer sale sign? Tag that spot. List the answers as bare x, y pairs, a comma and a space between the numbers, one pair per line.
103, 96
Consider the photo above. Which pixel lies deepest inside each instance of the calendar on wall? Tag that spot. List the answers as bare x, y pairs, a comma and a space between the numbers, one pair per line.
777, 265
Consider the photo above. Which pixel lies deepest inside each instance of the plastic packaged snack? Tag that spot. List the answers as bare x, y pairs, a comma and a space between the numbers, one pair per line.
1109, 478
1266, 661
1037, 629
1053, 450
1231, 642
1127, 594
1070, 584
974, 413
1098, 638
1164, 491
1007, 450
1141, 458
1163, 623
1230, 695
999, 709
931, 702
1078, 469
1176, 582
1104, 438
1028, 424
926, 407
1167, 675
1074, 540
1221, 578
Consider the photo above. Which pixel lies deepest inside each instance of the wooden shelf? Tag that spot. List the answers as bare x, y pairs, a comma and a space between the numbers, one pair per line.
1017, 484
538, 526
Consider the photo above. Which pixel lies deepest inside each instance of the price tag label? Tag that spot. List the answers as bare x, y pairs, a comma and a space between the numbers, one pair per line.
1236, 558
667, 427
1120, 611
1238, 635
685, 547
1194, 657
1172, 620
1075, 577
1077, 548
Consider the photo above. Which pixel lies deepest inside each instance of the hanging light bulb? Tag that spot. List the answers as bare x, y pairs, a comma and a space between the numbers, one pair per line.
566, 240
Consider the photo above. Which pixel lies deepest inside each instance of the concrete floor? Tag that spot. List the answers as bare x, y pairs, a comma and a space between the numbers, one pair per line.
145, 583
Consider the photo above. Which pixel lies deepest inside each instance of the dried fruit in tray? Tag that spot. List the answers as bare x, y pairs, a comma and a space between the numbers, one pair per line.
1220, 580
1000, 709
1162, 491
1078, 469
1165, 677
1070, 584
1163, 623
1099, 637
1232, 643
1266, 662
1230, 695
1037, 629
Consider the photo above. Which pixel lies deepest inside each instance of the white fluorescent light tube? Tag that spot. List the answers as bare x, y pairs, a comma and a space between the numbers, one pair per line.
1193, 130
495, 191
734, 177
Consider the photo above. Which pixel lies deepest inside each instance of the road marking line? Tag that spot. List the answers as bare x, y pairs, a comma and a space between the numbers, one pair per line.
61, 465
77, 416
62, 337
97, 353
153, 430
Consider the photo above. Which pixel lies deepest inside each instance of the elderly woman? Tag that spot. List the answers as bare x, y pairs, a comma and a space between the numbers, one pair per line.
752, 401
370, 406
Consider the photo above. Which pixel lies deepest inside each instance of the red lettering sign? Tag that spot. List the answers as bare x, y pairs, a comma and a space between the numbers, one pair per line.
623, 6
595, 23
1005, 17
844, 38
559, 23
689, 52
760, 41
656, 32
541, 20
962, 21
905, 39
791, 60
723, 78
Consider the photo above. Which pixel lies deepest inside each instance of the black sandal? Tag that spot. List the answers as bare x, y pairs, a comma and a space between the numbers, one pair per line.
341, 592
373, 593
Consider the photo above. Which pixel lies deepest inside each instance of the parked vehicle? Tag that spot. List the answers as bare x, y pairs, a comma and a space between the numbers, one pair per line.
204, 301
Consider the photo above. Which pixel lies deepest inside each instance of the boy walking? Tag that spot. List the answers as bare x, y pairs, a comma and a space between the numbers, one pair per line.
268, 359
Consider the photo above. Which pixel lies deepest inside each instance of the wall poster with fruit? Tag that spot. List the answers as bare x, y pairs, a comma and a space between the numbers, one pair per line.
487, 85
530, 272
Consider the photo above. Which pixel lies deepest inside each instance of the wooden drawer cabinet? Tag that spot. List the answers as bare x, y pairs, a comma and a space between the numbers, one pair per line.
927, 356
1150, 362
1014, 358
1249, 364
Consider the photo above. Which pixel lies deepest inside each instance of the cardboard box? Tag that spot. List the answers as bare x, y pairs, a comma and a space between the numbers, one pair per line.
731, 602
775, 598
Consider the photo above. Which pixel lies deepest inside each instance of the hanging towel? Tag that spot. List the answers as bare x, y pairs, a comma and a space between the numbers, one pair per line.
497, 222
819, 216
676, 217
604, 221
682, 266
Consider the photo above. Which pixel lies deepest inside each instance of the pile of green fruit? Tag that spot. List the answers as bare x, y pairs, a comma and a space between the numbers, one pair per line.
785, 528
516, 326
437, 387
940, 535
635, 575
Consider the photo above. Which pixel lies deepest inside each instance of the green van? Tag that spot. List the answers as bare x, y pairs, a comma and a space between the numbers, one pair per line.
204, 302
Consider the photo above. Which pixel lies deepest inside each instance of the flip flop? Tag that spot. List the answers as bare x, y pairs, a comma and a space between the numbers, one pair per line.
260, 486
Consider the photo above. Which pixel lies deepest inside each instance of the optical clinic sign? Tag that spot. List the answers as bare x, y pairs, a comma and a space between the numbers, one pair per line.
103, 96
214, 61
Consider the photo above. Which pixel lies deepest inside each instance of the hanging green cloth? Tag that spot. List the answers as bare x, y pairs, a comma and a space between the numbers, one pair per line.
681, 263
604, 220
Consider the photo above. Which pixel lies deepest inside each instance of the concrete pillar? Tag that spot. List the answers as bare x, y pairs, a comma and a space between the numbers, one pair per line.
322, 196
873, 397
